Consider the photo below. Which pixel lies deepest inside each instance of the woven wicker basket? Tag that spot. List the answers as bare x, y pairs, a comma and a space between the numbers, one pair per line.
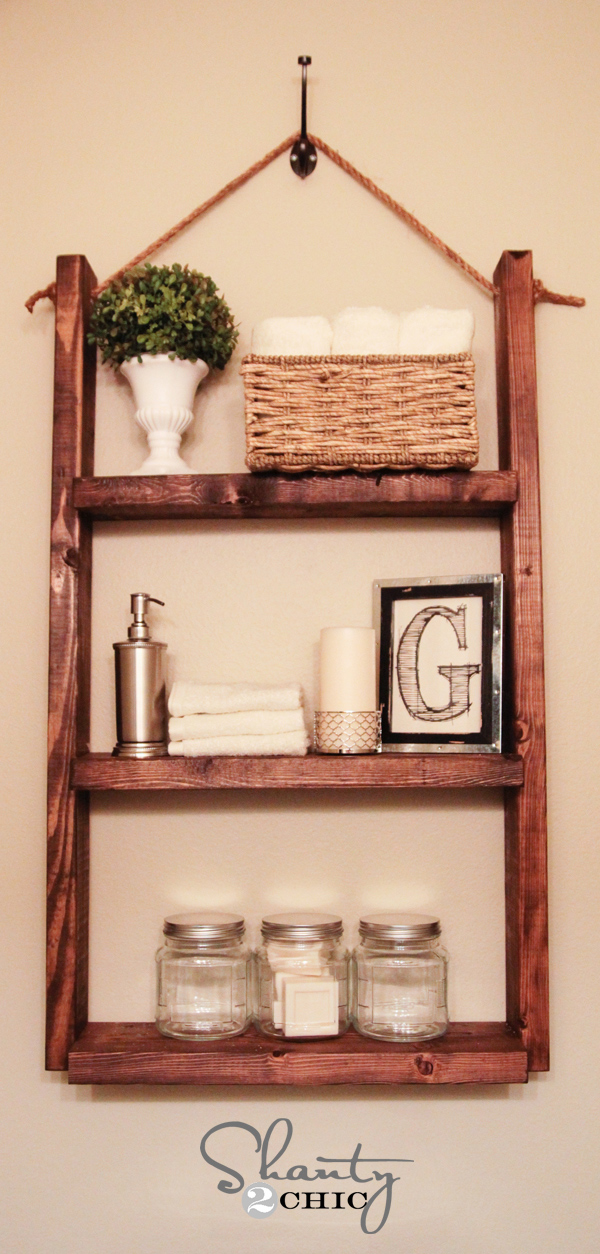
360, 413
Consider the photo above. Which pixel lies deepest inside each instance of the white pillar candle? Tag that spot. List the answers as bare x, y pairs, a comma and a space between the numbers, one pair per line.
348, 679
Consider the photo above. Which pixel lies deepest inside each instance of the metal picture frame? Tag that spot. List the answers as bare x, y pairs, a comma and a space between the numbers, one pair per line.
431, 700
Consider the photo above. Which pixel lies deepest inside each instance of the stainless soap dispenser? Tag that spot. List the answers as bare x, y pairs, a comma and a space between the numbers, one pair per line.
140, 677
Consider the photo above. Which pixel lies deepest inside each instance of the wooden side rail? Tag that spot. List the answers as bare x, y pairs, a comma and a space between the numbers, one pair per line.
525, 824
69, 665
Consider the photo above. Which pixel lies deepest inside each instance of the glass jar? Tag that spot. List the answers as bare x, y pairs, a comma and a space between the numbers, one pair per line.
202, 976
302, 976
400, 978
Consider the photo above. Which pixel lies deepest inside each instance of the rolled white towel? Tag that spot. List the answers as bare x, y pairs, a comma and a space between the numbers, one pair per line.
191, 697
431, 331
244, 723
282, 744
292, 337
357, 332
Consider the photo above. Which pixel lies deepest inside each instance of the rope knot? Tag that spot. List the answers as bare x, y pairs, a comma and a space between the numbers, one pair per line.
542, 293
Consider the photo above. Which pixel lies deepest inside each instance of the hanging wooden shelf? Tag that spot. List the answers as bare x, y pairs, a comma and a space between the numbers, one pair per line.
125, 1053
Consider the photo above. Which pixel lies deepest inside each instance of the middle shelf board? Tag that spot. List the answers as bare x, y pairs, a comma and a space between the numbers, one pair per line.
100, 771
388, 495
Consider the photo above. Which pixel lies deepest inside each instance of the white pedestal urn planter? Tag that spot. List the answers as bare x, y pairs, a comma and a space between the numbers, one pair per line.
164, 391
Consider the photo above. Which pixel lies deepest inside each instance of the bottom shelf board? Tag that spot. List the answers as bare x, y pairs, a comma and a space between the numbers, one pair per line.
136, 1053
386, 770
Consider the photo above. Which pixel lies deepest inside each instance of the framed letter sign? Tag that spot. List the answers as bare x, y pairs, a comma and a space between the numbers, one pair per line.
440, 663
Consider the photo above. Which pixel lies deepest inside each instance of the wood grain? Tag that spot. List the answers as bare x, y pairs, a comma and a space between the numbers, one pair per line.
100, 771
136, 1053
69, 665
526, 859
447, 494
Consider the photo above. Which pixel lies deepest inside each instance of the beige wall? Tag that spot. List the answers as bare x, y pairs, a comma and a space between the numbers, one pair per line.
118, 119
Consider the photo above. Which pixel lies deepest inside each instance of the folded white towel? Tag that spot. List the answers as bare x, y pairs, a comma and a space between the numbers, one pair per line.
431, 331
191, 697
361, 331
292, 337
246, 723
286, 744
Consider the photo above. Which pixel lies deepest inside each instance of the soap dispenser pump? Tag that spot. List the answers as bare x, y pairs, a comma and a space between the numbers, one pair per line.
140, 680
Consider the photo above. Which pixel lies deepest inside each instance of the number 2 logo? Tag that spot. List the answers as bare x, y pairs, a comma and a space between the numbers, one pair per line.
259, 1201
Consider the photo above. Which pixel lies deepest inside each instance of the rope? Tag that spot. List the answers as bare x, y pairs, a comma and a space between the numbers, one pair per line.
41, 294
50, 290
202, 209
404, 214
540, 292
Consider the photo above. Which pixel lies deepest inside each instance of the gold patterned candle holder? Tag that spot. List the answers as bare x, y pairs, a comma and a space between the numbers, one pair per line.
347, 731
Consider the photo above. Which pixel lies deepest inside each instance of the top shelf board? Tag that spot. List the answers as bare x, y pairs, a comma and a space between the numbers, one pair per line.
444, 494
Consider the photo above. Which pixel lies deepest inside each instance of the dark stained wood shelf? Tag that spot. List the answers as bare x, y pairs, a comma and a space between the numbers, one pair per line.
136, 1053
445, 494
96, 771
471, 1053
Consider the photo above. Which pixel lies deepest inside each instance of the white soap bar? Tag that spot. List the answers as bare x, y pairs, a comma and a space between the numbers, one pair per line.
292, 337
288, 957
308, 966
430, 331
311, 1007
281, 981
288, 967
348, 680
282, 978
357, 332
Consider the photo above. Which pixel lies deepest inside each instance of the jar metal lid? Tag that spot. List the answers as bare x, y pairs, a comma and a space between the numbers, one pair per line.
393, 925
204, 925
301, 925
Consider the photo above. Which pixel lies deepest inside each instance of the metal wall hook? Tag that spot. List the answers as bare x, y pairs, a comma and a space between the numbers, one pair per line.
303, 157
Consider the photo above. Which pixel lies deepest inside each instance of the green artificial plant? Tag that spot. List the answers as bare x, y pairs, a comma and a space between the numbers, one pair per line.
163, 309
